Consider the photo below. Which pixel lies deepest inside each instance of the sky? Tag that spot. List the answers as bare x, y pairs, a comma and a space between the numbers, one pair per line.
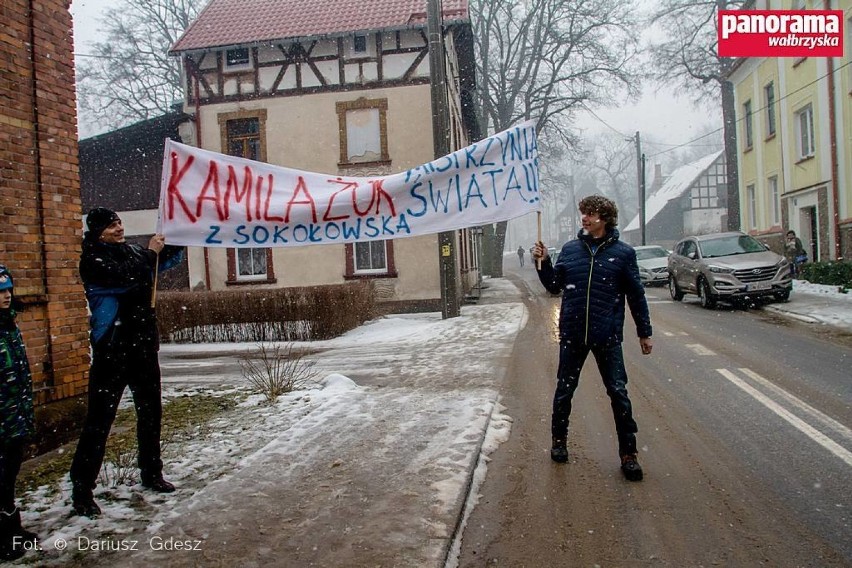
659, 113
399, 406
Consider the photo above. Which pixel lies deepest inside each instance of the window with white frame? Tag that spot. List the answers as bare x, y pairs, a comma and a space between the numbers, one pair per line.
769, 94
749, 136
371, 257
775, 196
805, 132
251, 264
752, 206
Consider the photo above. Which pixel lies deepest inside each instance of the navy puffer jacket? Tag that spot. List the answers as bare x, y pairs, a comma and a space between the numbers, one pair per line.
594, 287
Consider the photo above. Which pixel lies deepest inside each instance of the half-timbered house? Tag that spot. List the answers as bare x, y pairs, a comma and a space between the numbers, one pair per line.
336, 87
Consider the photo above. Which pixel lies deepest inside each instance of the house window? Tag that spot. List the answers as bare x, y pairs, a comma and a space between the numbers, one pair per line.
752, 206
244, 138
244, 135
363, 132
749, 138
769, 92
372, 259
776, 200
238, 58
805, 132
251, 264
360, 44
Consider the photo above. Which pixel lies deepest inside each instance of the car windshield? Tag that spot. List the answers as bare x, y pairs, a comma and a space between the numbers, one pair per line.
727, 246
649, 253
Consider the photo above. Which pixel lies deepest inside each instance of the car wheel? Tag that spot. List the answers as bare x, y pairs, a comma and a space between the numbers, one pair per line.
674, 289
783, 296
708, 299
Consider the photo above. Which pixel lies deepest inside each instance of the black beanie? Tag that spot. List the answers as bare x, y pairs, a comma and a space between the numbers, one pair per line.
99, 219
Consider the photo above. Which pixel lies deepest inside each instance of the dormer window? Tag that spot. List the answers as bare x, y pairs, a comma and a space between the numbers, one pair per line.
238, 57
360, 45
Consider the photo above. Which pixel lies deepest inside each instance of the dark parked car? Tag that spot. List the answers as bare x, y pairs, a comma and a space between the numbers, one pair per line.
727, 266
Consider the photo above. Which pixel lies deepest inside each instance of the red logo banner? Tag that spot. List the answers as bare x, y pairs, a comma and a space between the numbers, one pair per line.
780, 33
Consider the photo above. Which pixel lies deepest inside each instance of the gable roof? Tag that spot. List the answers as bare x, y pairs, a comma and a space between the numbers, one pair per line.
680, 180
244, 22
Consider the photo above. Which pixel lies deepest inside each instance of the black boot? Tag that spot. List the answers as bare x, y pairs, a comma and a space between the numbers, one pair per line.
83, 503
631, 468
157, 484
559, 450
11, 548
26, 536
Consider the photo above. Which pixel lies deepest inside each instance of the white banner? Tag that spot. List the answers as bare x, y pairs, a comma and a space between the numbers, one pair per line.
213, 200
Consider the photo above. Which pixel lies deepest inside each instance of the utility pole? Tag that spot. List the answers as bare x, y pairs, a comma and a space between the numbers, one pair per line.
729, 125
640, 174
440, 120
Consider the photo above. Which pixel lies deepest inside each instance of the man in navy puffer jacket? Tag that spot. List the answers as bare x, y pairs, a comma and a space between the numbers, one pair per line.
595, 274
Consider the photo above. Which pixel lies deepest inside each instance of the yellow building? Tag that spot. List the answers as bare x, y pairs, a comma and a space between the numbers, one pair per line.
794, 122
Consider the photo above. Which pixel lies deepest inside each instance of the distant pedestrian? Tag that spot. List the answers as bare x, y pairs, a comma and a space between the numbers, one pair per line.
595, 273
17, 421
795, 252
118, 278
521, 256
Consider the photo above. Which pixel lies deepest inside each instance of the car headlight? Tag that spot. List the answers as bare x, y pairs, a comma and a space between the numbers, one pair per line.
719, 269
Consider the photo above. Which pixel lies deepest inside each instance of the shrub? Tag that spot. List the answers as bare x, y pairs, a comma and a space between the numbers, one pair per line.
274, 370
271, 314
119, 467
834, 273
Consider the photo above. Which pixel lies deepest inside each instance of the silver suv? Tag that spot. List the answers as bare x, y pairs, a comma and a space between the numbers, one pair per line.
727, 266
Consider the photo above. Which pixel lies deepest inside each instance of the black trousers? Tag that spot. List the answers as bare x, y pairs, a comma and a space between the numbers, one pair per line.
111, 372
610, 362
11, 457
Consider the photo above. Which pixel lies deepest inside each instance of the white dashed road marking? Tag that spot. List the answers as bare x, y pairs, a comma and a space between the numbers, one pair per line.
808, 430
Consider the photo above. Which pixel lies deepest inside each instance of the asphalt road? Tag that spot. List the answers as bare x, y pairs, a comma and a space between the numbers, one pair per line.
745, 440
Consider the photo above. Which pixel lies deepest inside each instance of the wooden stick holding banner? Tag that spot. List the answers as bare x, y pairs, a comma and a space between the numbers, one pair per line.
538, 260
154, 289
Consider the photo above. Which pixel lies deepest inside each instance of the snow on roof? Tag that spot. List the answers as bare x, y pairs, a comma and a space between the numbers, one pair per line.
680, 180
242, 22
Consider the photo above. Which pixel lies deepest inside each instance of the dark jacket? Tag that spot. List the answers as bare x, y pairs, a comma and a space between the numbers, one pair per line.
118, 280
594, 287
16, 384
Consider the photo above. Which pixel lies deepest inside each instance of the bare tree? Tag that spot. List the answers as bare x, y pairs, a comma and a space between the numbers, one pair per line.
614, 160
543, 59
129, 76
688, 59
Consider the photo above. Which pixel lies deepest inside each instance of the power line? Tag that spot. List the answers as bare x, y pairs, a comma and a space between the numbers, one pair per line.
602, 121
791, 93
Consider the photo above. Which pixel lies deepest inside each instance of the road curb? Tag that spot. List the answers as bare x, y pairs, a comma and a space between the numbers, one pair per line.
477, 456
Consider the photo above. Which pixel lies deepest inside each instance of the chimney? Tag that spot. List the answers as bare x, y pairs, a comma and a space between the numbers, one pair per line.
658, 178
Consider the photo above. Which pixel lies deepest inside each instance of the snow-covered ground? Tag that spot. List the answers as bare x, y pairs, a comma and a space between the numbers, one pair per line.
391, 431
818, 303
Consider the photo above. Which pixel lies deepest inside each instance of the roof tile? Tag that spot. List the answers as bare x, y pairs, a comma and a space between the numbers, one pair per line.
240, 22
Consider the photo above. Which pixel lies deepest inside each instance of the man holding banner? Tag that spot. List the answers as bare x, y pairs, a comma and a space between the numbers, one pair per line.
118, 278
595, 273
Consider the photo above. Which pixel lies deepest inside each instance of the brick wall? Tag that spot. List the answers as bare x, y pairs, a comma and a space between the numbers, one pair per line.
40, 191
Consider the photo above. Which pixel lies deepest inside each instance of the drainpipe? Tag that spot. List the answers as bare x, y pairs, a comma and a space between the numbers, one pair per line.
832, 126
198, 144
48, 366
